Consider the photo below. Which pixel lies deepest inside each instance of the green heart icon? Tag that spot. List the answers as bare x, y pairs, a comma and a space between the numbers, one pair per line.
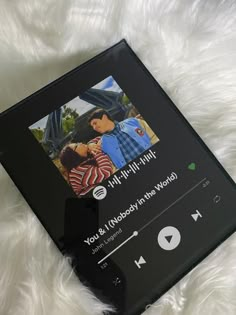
192, 166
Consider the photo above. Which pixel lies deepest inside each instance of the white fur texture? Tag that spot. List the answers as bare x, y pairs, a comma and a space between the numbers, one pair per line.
190, 48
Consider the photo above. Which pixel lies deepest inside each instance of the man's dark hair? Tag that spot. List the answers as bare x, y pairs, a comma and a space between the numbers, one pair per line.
98, 113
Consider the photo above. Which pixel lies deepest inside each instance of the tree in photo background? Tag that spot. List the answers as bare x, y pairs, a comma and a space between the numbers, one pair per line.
69, 117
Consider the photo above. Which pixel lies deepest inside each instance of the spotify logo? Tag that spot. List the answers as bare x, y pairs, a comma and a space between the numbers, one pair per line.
99, 192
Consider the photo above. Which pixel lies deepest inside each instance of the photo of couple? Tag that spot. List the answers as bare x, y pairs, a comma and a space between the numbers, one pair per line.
94, 135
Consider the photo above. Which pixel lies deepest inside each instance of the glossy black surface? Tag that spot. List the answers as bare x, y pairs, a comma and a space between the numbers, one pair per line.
70, 221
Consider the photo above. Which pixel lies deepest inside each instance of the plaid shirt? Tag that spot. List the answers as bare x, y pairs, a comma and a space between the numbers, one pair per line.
128, 146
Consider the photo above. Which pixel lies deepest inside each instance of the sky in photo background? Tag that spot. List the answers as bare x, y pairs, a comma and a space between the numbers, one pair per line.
108, 84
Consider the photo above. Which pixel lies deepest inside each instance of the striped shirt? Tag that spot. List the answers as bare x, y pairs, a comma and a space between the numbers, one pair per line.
85, 177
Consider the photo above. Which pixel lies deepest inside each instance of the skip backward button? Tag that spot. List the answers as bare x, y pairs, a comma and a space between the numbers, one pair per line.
169, 238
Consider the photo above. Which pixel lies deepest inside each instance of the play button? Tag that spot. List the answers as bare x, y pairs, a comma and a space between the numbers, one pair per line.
169, 238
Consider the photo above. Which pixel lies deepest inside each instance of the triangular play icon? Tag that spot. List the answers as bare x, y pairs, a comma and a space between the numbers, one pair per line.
169, 238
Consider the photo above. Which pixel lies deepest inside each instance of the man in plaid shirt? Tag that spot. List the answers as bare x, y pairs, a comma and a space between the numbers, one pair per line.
121, 141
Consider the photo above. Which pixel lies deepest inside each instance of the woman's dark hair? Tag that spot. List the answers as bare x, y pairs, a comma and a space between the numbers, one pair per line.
98, 113
70, 159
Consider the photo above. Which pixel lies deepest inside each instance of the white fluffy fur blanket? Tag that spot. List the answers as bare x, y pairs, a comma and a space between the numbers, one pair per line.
190, 47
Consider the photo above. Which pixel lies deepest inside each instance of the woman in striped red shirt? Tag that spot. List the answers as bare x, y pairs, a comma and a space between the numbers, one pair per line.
85, 168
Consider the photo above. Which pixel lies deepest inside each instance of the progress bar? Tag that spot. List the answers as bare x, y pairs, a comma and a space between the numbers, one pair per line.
136, 233
114, 250
171, 205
